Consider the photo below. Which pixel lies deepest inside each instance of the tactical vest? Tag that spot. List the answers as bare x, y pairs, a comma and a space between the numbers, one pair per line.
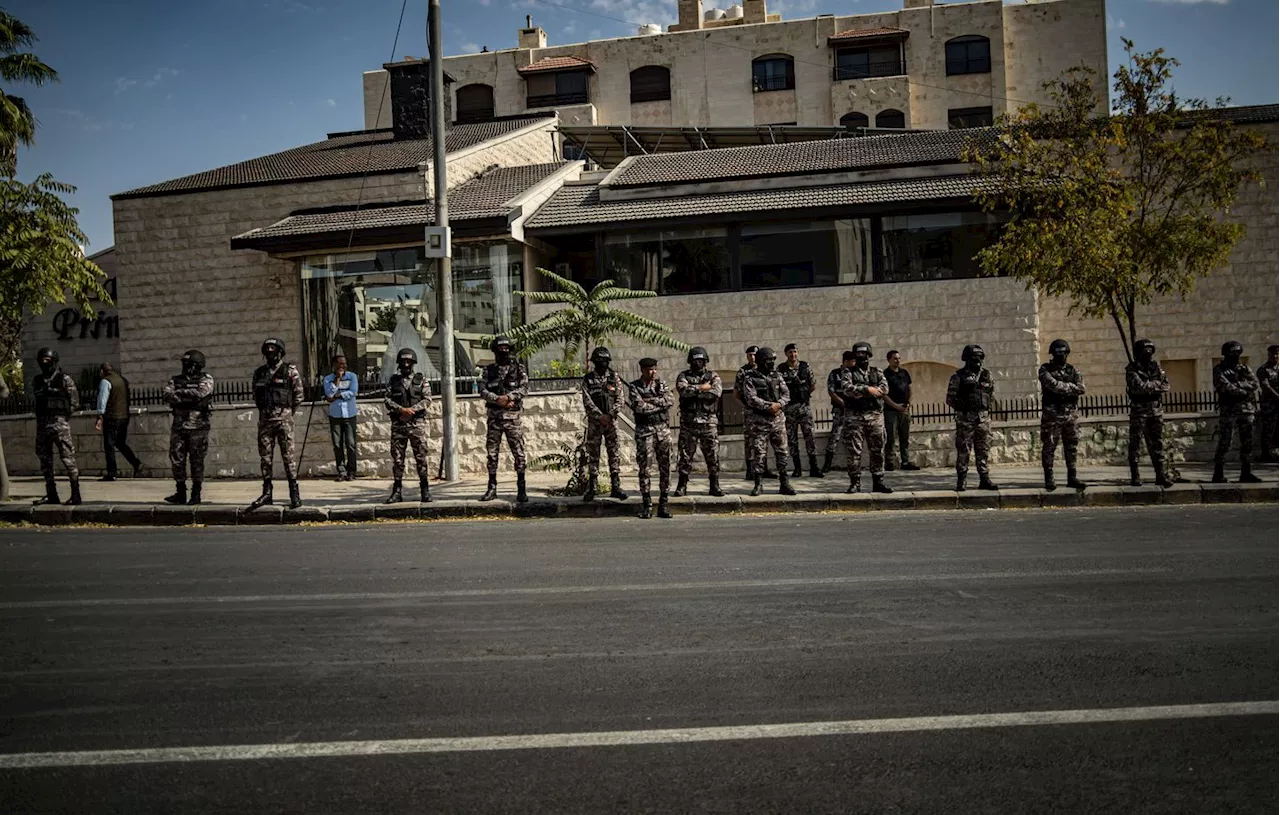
796, 384
695, 405
974, 399
661, 417
1050, 399
53, 395
1147, 374
118, 399
864, 404
602, 390
498, 382
272, 390
767, 388
201, 404
406, 395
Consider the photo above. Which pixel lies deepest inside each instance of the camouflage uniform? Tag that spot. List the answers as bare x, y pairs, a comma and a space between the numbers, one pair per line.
1146, 384
1060, 390
504, 380
191, 401
1237, 389
970, 396
278, 394
836, 436
863, 421
760, 390
602, 395
747, 427
799, 415
651, 405
1269, 384
56, 397
698, 424
414, 394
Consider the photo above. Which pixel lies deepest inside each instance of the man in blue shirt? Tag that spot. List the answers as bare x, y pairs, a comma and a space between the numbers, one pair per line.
340, 389
113, 421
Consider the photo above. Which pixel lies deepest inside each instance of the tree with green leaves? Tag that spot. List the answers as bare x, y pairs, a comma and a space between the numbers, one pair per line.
1113, 212
17, 123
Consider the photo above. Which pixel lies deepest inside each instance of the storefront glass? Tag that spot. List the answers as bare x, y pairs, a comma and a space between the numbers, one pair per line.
935, 247
670, 262
805, 253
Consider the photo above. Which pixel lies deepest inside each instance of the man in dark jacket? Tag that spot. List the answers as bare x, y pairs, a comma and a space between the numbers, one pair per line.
113, 420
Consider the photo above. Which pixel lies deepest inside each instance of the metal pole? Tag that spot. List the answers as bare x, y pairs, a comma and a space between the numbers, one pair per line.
444, 266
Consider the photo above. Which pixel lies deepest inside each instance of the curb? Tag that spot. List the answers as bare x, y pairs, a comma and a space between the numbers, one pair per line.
1012, 498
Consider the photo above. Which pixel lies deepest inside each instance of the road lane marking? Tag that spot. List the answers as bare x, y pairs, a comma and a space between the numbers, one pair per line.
628, 738
463, 594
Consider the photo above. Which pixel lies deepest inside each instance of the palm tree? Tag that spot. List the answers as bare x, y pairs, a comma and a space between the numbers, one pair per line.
17, 124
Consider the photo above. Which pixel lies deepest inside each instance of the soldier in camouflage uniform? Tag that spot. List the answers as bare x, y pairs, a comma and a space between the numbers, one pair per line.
1269, 390
801, 385
407, 400
747, 427
699, 390
1237, 389
277, 391
603, 392
862, 387
970, 393
56, 397
190, 397
765, 396
1146, 383
1061, 387
651, 403
504, 384
836, 436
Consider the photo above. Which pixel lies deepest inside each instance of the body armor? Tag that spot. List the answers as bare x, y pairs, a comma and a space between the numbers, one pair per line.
407, 392
1060, 400
796, 384
501, 380
766, 388
53, 397
973, 395
185, 402
864, 404
272, 389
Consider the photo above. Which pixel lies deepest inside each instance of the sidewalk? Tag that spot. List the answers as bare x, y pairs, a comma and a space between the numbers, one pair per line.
139, 502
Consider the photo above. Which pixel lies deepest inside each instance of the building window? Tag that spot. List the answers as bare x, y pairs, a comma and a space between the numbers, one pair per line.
682, 261
969, 117
651, 83
1181, 373
859, 63
475, 104
852, 121
941, 246
805, 253
968, 55
775, 72
550, 90
891, 119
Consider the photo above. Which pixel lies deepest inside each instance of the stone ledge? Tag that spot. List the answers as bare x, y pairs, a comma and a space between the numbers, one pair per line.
979, 499
711, 505
1101, 496
1181, 494
1259, 493
1021, 498
1221, 493
1145, 495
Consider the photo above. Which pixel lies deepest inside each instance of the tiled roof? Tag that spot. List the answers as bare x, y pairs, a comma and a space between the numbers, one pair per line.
556, 64
483, 197
1241, 114
801, 158
575, 205
867, 33
373, 152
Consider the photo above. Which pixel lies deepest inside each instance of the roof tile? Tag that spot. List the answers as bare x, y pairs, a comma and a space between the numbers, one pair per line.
556, 64
867, 33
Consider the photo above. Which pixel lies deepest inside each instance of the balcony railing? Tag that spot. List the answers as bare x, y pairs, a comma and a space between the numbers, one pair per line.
892, 67
555, 100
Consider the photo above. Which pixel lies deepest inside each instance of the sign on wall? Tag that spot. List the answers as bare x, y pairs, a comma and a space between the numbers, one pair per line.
72, 324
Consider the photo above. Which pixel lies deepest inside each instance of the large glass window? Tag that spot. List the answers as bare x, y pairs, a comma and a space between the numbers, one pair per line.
670, 262
366, 305
968, 55
805, 253
959, 118
859, 63
776, 72
550, 89
934, 247
651, 83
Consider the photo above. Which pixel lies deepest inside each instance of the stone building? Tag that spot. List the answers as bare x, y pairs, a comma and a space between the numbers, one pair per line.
924, 66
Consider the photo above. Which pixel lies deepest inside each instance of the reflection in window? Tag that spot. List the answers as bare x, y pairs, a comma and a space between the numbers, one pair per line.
670, 262
805, 253
776, 72
959, 118
935, 247
564, 88
968, 55
859, 63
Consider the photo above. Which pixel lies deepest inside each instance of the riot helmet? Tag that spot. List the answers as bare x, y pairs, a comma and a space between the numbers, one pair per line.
973, 355
1231, 351
192, 363
273, 350
1059, 350
1144, 350
600, 358
501, 348
862, 353
697, 358
406, 359
766, 358
47, 359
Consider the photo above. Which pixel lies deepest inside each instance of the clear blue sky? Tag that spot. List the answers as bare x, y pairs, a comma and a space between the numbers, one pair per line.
155, 89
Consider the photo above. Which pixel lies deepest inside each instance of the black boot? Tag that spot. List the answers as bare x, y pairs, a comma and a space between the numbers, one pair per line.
759, 486
784, 483
985, 482
50, 493
960, 479
424, 489
590, 494
796, 472
826, 461
1162, 476
265, 498
715, 491
855, 484
615, 487
492, 491
1049, 483
522, 494
396, 495
1135, 478
195, 493
646, 507
682, 486
814, 470
179, 493
1074, 482
878, 485
1246, 474
75, 500
663, 510
751, 473
295, 497
1218, 477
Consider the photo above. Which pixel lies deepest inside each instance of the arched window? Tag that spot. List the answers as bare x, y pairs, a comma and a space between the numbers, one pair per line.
850, 121
651, 83
968, 55
773, 72
475, 104
891, 118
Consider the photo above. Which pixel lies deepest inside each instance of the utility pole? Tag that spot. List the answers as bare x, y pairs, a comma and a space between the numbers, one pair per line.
444, 265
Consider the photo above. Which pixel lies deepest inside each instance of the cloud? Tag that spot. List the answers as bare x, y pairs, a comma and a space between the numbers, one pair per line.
124, 83
1190, 2
1115, 23
468, 48
639, 12
331, 103
159, 75
790, 9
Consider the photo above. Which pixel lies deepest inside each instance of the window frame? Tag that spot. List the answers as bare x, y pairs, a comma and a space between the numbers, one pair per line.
559, 96
842, 74
651, 94
866, 120
961, 113
460, 118
890, 111
761, 78
967, 63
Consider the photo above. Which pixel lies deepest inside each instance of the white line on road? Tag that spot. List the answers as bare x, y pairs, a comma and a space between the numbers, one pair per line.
628, 738
462, 594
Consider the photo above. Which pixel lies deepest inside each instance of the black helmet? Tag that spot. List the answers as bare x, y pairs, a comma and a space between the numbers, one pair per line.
601, 353
1059, 344
1229, 348
407, 353
697, 352
765, 354
269, 341
47, 353
968, 352
501, 339
193, 357
862, 346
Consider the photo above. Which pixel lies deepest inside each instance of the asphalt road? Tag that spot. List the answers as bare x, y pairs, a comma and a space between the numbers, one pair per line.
608, 630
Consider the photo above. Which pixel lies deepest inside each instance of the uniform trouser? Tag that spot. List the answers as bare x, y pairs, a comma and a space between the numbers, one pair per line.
596, 432
1242, 423
864, 430
271, 433
188, 446
342, 434
1055, 425
51, 433
1149, 425
693, 437
747, 444
404, 435
498, 427
115, 435
653, 445
768, 433
800, 422
1269, 425
836, 436
897, 426
973, 430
